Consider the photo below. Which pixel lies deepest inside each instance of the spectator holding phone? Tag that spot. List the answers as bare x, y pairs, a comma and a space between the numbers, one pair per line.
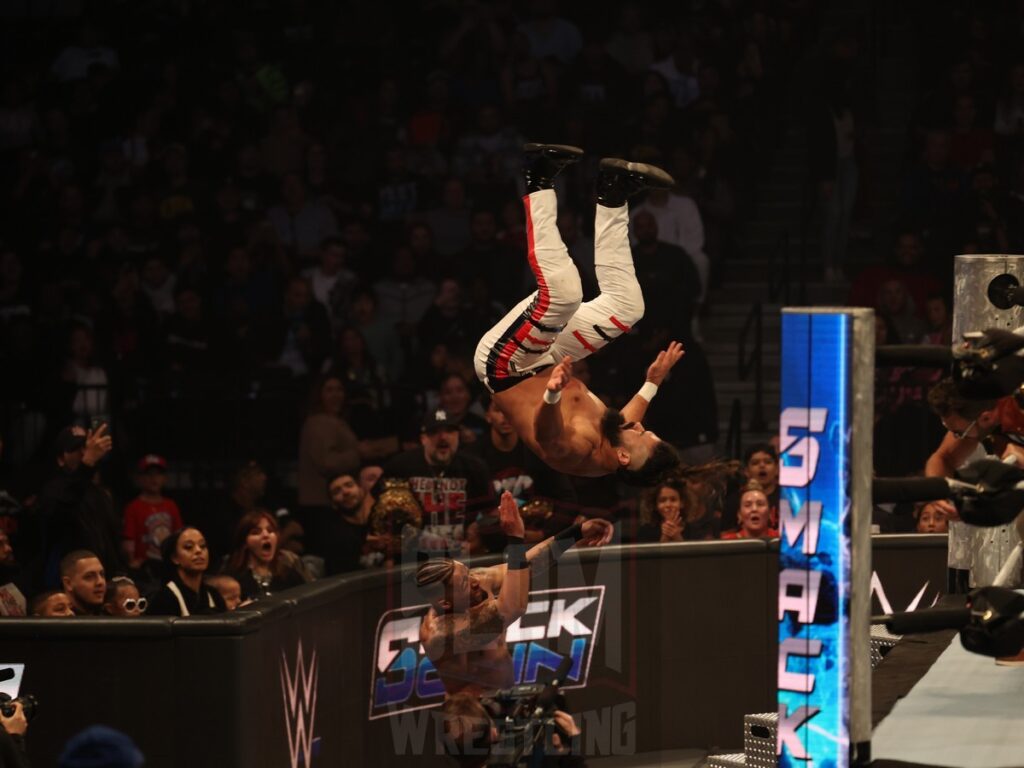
75, 512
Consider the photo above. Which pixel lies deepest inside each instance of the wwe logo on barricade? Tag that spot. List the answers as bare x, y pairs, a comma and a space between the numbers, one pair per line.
299, 693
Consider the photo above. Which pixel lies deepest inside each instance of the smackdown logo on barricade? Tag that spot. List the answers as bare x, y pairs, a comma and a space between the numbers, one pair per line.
404, 679
814, 553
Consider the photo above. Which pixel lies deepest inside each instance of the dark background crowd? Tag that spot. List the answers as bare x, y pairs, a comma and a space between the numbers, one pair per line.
245, 257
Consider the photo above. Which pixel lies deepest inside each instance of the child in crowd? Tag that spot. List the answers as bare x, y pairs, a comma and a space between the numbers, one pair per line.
123, 599
150, 517
228, 587
53, 603
931, 518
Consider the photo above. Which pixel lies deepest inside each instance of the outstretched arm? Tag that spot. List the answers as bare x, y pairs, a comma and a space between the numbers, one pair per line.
589, 533
636, 408
484, 623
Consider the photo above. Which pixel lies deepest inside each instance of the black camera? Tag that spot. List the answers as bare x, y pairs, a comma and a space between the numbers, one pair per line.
524, 718
29, 705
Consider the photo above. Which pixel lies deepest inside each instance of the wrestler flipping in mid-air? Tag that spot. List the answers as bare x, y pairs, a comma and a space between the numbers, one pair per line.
557, 416
463, 633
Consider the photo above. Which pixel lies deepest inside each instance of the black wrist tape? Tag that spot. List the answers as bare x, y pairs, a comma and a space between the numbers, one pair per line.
515, 553
566, 539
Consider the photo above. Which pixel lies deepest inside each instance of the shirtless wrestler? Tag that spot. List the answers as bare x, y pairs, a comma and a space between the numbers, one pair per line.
558, 417
463, 633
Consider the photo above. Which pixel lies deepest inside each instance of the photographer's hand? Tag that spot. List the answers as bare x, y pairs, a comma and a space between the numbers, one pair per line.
564, 721
16, 724
565, 739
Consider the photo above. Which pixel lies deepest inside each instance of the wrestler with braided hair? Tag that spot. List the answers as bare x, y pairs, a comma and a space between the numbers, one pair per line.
463, 633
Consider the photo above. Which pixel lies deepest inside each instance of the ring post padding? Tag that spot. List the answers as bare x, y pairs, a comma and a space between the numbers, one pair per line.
825, 446
973, 311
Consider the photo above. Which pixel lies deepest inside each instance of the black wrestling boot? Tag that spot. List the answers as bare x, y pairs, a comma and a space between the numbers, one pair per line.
618, 180
542, 162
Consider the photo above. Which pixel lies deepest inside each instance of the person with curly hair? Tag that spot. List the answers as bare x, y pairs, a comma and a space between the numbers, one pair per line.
665, 511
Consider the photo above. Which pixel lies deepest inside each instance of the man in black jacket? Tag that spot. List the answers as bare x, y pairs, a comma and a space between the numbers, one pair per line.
452, 486
74, 511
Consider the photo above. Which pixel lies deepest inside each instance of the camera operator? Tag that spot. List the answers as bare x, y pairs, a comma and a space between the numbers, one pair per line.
470, 734
12, 738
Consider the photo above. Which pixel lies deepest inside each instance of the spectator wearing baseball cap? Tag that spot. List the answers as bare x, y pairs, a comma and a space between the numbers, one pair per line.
75, 513
150, 517
452, 486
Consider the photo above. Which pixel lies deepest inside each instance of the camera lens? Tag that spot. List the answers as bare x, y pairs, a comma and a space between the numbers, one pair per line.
29, 705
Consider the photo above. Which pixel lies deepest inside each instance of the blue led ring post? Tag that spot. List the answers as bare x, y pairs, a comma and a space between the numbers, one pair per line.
825, 433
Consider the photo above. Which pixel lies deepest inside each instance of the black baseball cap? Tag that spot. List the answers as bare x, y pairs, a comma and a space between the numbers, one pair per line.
69, 439
437, 420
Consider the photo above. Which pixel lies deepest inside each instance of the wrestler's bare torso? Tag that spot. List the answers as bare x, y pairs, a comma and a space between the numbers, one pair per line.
479, 671
581, 415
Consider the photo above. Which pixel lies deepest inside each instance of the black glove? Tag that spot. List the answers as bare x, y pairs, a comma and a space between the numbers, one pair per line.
996, 500
989, 370
996, 627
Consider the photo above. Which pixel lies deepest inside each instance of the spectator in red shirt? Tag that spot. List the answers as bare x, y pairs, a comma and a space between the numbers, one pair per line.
755, 517
150, 517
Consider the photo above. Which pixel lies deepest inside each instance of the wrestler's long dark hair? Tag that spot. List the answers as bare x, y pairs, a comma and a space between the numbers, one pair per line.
662, 461
659, 464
